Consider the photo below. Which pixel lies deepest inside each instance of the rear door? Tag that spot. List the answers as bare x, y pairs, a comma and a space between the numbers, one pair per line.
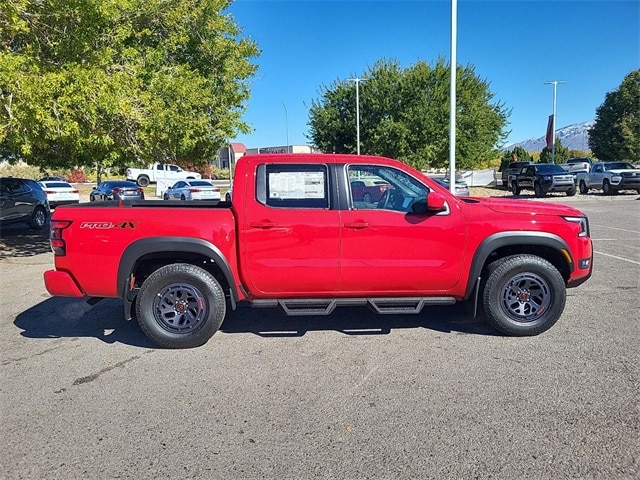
289, 233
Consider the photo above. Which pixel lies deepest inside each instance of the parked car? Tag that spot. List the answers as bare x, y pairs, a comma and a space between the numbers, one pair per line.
462, 189
543, 178
610, 177
511, 171
192, 190
23, 200
577, 165
53, 179
116, 190
60, 193
368, 190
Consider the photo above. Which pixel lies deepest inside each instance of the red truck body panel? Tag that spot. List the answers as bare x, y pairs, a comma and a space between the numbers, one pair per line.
338, 251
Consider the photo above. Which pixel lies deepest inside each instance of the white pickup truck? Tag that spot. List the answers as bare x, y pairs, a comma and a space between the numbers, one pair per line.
160, 171
577, 165
610, 177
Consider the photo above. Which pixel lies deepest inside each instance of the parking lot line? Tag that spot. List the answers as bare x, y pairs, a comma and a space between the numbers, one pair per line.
619, 258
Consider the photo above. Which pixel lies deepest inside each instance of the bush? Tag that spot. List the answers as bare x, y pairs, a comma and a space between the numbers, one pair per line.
20, 170
77, 176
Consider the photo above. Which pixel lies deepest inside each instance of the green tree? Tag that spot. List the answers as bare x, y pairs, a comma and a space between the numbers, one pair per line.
615, 134
120, 82
518, 154
561, 153
404, 114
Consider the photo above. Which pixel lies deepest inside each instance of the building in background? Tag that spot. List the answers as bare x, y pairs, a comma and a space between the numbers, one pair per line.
235, 151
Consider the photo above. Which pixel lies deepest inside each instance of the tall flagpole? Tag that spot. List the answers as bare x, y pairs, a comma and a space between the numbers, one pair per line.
553, 120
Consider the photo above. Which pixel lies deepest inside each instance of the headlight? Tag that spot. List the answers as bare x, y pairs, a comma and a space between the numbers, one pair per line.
547, 178
583, 222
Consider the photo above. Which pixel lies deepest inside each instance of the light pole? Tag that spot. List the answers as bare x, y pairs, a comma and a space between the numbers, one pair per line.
555, 84
452, 98
357, 82
286, 124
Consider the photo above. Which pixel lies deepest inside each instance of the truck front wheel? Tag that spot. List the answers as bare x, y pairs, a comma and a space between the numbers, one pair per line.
583, 187
538, 190
143, 181
515, 189
180, 306
523, 295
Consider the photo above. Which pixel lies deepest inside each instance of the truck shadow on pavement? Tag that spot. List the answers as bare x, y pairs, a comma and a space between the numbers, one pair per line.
273, 322
59, 317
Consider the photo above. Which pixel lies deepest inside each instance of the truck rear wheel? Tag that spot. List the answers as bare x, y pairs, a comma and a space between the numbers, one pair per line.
523, 295
180, 306
143, 181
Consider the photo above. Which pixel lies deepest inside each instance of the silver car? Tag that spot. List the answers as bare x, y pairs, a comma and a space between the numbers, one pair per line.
192, 190
462, 189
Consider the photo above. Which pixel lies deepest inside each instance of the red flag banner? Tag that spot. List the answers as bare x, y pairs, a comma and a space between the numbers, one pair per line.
550, 133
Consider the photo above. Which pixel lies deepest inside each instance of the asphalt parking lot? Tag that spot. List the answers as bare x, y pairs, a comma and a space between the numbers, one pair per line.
84, 394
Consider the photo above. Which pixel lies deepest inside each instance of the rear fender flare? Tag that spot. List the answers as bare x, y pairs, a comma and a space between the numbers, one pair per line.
155, 245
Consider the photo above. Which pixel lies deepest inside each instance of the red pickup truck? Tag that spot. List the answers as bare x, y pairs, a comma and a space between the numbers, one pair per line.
296, 237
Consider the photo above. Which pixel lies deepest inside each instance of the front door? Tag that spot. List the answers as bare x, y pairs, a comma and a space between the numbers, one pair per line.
388, 250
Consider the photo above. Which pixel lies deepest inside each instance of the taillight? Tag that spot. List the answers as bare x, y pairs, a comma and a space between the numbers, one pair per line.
194, 190
117, 190
58, 244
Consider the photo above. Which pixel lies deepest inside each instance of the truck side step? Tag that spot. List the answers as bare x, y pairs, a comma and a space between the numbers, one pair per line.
325, 306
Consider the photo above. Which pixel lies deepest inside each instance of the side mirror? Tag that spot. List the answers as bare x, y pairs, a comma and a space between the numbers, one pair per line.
435, 202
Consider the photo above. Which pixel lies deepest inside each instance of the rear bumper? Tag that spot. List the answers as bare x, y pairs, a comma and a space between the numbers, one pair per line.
61, 284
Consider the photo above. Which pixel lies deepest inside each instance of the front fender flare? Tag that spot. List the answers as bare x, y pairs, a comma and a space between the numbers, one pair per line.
505, 239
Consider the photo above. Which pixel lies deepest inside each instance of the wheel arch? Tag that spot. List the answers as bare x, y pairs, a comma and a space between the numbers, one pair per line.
499, 245
145, 256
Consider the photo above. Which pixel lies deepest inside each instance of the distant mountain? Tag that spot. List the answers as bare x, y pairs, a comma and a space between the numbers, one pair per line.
574, 137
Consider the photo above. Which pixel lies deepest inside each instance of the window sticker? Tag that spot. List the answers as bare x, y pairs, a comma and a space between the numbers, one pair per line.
296, 185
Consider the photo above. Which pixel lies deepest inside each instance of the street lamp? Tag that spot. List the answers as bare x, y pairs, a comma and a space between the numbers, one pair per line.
357, 82
555, 84
286, 124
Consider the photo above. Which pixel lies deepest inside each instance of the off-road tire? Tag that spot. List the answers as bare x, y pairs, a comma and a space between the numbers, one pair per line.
538, 190
180, 306
523, 295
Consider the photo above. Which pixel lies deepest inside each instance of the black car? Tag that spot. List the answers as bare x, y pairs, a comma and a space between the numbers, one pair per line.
116, 190
23, 200
543, 178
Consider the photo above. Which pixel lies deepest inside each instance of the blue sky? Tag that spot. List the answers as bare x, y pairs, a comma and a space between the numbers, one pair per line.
515, 45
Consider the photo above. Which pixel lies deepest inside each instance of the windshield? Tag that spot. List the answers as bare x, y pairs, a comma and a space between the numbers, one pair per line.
618, 166
547, 168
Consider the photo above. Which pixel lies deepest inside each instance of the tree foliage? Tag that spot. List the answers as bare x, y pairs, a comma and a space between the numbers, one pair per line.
561, 153
615, 134
404, 114
518, 154
120, 82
